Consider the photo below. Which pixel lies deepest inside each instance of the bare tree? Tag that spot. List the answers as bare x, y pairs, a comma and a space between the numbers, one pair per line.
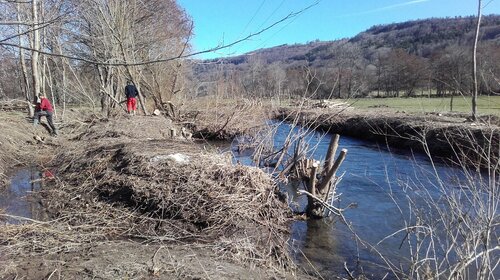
130, 31
25, 81
474, 63
35, 45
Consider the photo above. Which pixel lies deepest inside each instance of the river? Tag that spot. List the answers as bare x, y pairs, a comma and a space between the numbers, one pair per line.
380, 182
17, 200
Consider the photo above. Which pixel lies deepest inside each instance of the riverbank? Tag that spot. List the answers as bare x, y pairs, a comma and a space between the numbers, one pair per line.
21, 142
449, 137
128, 200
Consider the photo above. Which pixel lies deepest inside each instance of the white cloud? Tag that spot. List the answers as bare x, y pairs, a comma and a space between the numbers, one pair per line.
381, 9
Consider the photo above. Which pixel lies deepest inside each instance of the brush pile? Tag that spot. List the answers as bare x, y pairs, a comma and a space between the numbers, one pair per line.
140, 185
14, 105
224, 120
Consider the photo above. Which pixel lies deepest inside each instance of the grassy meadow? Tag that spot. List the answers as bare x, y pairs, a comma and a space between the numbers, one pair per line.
486, 104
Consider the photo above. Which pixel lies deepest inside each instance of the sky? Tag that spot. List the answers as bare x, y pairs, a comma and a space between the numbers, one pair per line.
222, 22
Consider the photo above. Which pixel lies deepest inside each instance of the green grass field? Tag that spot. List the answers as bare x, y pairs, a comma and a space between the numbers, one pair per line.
486, 104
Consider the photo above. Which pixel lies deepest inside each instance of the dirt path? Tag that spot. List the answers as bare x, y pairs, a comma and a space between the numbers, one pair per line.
130, 202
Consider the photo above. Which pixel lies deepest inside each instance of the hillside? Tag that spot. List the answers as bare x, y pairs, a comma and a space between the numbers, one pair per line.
422, 37
392, 60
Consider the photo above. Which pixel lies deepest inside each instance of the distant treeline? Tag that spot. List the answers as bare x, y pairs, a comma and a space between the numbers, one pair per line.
431, 57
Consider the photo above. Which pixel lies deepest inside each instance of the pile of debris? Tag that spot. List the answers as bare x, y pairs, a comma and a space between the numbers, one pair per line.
330, 104
126, 179
14, 105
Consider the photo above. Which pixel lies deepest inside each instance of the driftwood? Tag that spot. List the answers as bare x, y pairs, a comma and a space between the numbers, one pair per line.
186, 134
325, 103
170, 109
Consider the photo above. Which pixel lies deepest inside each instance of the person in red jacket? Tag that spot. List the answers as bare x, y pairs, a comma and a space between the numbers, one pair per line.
44, 108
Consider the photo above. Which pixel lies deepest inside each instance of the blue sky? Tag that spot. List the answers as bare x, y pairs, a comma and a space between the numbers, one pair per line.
225, 21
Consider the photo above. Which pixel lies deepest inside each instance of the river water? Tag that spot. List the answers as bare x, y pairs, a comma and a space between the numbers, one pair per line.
17, 198
379, 182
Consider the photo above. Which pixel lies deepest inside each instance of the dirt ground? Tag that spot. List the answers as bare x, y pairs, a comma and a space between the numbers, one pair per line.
128, 201
133, 260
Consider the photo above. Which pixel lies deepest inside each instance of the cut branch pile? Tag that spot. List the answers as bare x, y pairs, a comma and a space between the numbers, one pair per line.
170, 191
225, 121
127, 179
325, 103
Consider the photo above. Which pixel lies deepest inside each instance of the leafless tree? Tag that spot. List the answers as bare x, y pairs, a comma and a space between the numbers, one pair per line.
474, 63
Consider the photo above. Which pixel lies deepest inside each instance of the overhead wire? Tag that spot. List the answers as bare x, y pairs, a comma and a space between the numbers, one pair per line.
252, 18
486, 5
250, 21
281, 29
272, 14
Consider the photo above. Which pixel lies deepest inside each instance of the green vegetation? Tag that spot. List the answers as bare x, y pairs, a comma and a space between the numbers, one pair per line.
486, 104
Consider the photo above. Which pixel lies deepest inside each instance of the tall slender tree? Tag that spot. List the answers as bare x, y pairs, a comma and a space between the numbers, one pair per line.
474, 64
35, 45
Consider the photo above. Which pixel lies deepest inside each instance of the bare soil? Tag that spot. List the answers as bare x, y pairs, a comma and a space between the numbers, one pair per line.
130, 202
134, 260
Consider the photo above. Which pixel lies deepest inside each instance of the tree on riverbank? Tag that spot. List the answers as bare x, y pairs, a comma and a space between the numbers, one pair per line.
83, 50
474, 64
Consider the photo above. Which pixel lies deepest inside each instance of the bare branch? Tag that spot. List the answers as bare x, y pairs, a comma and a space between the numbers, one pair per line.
149, 62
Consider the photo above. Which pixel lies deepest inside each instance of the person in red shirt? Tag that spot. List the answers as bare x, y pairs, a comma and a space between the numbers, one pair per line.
44, 108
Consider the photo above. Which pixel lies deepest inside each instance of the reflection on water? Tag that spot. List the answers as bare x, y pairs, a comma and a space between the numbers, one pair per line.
375, 180
16, 199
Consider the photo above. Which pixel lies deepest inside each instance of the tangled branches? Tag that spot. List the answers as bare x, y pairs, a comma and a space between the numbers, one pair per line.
140, 190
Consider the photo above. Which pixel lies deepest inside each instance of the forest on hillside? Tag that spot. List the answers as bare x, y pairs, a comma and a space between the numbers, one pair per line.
423, 57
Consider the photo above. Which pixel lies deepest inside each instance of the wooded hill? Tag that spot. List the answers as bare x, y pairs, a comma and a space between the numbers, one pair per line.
408, 58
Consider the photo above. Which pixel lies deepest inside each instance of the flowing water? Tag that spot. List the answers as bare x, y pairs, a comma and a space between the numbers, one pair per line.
376, 180
17, 200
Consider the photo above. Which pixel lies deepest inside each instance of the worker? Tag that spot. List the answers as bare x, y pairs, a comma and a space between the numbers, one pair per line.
131, 93
44, 108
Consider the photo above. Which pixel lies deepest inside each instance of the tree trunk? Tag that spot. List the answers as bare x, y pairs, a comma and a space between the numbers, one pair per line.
474, 64
34, 53
26, 83
64, 78
451, 101
340, 83
43, 67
